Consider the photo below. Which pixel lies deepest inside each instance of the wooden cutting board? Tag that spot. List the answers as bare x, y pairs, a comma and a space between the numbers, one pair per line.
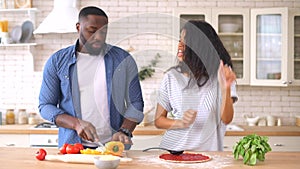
79, 158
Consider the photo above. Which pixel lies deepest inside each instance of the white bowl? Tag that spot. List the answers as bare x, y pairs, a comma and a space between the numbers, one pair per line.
107, 162
229, 27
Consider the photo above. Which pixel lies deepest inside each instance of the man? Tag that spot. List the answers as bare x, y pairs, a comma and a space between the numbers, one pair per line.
91, 89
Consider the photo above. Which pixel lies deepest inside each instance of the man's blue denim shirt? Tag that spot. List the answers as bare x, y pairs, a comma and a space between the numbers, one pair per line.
60, 91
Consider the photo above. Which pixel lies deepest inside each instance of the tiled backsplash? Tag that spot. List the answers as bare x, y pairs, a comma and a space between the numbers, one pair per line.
21, 67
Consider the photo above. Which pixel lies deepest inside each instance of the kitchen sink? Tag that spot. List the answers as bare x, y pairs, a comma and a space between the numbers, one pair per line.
233, 127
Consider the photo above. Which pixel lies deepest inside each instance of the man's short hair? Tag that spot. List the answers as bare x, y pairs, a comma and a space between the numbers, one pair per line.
91, 10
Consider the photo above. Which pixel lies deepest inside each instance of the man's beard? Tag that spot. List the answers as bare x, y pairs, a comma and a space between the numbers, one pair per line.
89, 47
91, 50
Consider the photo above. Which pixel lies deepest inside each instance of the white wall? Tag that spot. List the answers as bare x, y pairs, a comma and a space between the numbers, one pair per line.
21, 70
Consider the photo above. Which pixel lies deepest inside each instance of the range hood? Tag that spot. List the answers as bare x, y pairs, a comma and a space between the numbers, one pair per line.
62, 19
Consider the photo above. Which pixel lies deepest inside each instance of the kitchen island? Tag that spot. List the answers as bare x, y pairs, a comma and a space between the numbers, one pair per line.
282, 138
24, 158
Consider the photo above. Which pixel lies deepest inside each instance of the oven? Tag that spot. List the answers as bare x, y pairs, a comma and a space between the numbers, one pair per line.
42, 139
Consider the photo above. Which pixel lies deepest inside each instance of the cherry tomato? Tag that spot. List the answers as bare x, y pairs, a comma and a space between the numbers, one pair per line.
79, 145
40, 154
62, 149
71, 149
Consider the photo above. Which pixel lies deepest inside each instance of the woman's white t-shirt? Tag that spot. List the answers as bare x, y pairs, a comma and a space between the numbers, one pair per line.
207, 132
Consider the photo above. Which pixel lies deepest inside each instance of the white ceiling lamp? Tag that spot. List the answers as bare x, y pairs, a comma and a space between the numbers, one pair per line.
62, 19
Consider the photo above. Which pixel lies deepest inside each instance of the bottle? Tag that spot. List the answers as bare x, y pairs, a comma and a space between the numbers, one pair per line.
32, 119
10, 116
22, 116
0, 118
278, 122
2, 4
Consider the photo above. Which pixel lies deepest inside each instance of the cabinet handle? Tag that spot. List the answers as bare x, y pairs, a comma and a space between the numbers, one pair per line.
278, 144
285, 82
10, 144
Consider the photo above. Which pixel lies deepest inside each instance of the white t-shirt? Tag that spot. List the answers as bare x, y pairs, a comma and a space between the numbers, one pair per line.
207, 132
93, 93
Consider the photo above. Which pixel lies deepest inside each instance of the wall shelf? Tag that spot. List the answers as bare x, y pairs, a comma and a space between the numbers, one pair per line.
19, 10
18, 44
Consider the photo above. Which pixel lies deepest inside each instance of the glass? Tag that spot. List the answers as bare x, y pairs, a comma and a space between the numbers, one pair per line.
233, 41
297, 48
32, 118
230, 23
2, 4
268, 47
10, 116
22, 116
184, 18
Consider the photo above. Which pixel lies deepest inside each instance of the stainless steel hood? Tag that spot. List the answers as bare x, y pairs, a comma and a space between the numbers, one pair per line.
62, 19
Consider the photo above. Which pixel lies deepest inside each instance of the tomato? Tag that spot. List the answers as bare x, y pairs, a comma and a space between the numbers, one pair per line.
71, 149
62, 149
79, 145
40, 154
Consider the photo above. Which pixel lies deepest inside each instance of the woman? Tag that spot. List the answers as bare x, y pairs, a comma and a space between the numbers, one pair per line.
199, 92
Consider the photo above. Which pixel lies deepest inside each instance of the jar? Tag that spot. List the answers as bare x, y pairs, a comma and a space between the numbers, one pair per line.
0, 118
2, 4
22, 116
10, 116
32, 119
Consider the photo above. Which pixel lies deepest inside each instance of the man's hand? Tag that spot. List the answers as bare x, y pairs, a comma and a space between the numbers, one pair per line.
86, 131
119, 136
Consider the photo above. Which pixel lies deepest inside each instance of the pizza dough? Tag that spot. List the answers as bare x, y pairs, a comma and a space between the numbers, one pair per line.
187, 157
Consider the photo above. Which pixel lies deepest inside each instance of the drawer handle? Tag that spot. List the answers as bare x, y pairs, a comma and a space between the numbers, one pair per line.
10, 144
278, 144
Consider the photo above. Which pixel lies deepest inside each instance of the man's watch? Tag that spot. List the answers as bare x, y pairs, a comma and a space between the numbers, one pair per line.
125, 131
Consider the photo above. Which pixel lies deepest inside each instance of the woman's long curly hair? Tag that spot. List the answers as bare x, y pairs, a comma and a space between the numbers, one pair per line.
192, 62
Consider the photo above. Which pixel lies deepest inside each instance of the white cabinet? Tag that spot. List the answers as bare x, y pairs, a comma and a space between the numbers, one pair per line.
275, 46
294, 48
141, 142
277, 143
236, 42
230, 141
265, 50
284, 143
43, 140
14, 140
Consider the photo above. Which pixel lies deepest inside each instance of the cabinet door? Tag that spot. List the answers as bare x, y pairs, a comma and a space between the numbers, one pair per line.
230, 141
142, 142
294, 48
269, 43
277, 143
284, 143
14, 140
182, 15
232, 26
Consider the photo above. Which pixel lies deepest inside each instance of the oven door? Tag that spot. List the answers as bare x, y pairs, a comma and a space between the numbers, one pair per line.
43, 140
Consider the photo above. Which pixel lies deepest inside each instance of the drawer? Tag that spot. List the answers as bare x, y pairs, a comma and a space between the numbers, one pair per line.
14, 140
43, 140
141, 142
277, 143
